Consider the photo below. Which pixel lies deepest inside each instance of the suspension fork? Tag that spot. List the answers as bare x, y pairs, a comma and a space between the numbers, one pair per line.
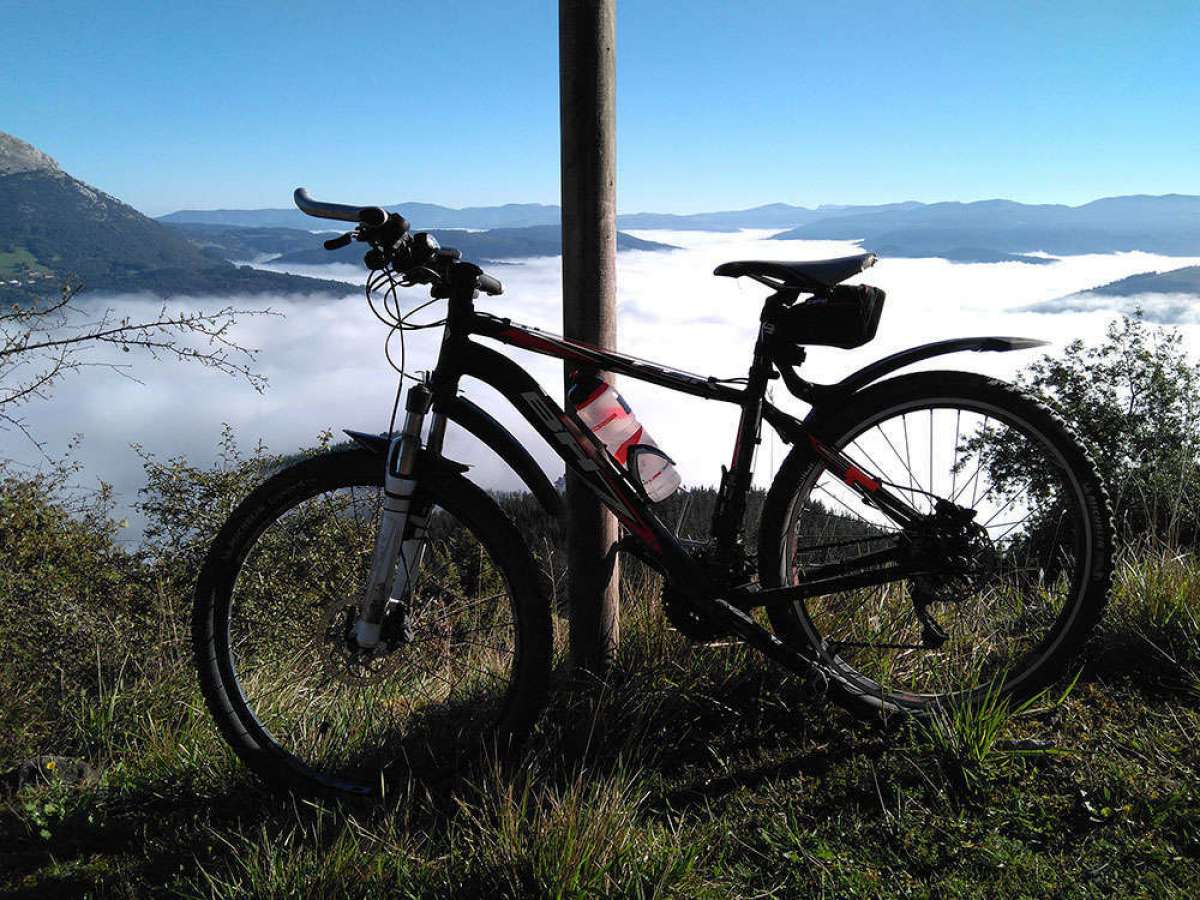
400, 543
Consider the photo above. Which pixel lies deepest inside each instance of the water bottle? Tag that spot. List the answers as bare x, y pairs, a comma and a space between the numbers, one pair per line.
609, 417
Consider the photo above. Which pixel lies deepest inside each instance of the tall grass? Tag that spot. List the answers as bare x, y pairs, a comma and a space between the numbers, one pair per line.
690, 771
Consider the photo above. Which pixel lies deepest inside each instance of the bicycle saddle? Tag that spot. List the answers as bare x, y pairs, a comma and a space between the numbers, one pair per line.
805, 275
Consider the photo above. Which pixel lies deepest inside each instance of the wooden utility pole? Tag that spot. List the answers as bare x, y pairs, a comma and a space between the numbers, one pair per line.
587, 103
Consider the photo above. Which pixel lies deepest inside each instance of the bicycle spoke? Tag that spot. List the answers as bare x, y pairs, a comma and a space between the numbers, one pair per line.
992, 615
911, 476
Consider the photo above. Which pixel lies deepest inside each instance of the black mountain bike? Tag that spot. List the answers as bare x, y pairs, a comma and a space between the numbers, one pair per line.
929, 537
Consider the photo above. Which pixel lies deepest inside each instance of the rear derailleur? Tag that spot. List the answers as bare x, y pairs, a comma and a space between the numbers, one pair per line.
961, 557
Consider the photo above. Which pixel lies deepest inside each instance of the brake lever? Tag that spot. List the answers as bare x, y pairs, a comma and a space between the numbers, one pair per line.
340, 241
419, 275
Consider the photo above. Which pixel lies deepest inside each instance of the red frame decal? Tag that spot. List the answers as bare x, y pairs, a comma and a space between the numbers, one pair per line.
856, 476
847, 471
539, 344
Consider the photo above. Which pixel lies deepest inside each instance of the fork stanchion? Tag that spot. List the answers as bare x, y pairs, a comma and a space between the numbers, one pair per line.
587, 98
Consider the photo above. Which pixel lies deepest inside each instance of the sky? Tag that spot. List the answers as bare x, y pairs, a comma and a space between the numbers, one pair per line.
720, 105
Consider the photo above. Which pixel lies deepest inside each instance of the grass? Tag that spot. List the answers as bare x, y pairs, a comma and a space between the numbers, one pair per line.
693, 771
17, 262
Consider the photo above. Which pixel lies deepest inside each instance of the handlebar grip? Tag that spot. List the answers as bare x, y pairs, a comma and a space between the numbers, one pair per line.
338, 242
489, 285
367, 215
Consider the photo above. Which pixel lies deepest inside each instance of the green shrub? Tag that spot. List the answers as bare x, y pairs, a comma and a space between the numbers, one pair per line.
1134, 398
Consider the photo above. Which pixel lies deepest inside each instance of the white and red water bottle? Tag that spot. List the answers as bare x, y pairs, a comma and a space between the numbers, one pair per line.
609, 417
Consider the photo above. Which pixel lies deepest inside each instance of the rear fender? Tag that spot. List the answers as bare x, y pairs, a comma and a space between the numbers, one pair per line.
825, 396
821, 394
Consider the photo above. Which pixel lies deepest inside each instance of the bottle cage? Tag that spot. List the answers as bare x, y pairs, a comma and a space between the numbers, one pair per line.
632, 455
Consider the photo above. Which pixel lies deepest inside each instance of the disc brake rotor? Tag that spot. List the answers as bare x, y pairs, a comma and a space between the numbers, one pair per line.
342, 659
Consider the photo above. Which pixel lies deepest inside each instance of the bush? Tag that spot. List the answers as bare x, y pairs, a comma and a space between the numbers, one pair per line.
1134, 398
82, 611
73, 598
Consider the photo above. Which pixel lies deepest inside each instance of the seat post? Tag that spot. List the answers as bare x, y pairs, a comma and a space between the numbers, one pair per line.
736, 480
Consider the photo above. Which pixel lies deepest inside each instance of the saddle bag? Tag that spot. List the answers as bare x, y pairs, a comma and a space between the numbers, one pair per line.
847, 316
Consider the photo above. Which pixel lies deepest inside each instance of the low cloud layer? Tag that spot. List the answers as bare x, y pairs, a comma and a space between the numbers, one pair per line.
324, 357
1163, 309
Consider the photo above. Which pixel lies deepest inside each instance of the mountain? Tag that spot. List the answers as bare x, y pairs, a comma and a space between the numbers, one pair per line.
1171, 297
478, 246
996, 230
241, 244
54, 227
291, 245
982, 231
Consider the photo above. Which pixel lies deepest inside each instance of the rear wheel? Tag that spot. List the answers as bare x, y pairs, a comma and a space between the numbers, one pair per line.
1014, 534
276, 603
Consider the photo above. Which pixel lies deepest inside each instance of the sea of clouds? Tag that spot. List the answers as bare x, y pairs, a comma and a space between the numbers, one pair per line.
324, 356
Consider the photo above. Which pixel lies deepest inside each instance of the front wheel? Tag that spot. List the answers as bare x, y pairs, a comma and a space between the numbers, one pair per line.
275, 607
1013, 542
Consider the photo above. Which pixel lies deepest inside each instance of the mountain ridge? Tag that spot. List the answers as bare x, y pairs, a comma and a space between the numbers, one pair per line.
425, 216
988, 230
997, 229
290, 245
1185, 280
55, 229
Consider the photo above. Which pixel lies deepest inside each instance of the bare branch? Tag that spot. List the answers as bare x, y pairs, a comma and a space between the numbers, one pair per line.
42, 343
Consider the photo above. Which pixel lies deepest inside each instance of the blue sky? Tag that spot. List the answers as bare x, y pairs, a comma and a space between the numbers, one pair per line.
721, 104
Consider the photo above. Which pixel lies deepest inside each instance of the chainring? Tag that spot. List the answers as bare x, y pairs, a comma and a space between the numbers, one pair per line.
688, 620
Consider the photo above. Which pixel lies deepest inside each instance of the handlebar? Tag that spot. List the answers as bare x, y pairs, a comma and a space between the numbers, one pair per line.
392, 245
366, 215
489, 285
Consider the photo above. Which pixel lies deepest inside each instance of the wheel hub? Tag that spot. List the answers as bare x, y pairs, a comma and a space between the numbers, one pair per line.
350, 663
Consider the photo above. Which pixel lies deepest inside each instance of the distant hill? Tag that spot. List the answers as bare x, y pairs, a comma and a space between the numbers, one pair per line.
478, 246
1171, 297
983, 231
773, 215
54, 226
995, 230
425, 216
1176, 281
239, 244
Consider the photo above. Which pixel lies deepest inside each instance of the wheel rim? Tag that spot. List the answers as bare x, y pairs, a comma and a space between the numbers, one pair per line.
290, 606
1003, 628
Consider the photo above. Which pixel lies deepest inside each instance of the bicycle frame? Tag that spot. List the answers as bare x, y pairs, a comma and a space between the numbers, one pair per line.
582, 452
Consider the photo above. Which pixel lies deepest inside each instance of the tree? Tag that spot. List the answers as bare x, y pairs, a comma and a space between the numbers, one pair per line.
1134, 398
42, 343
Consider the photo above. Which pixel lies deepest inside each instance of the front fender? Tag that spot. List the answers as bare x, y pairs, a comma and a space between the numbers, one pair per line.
821, 394
483, 426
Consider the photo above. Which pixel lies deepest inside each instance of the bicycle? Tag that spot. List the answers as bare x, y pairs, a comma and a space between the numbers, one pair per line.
368, 603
